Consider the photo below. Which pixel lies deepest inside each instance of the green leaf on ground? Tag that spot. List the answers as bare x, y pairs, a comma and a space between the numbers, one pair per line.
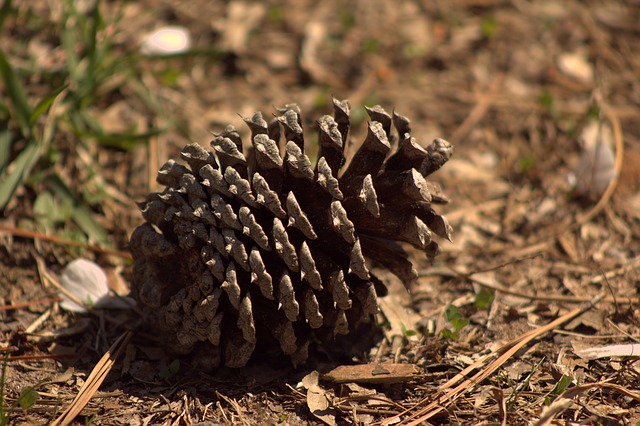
448, 334
171, 369
484, 299
28, 398
453, 315
562, 384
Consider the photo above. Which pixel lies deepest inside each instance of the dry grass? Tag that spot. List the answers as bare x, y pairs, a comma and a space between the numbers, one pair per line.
513, 84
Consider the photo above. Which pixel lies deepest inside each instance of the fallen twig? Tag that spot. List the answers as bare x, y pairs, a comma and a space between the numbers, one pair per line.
25, 233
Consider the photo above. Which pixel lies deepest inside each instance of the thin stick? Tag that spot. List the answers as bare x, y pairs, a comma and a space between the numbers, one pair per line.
25, 233
28, 304
551, 297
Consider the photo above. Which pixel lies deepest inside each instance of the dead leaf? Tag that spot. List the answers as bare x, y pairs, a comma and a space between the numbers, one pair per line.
355, 390
576, 65
116, 281
590, 319
64, 377
392, 306
318, 399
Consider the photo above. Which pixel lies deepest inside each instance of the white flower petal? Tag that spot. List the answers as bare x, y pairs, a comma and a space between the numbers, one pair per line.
166, 41
86, 281
596, 168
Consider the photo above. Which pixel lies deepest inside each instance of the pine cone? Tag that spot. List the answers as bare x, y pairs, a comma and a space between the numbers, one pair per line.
238, 253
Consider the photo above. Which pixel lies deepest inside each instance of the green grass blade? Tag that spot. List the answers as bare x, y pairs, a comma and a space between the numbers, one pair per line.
69, 40
5, 10
44, 104
93, 52
4, 417
5, 113
19, 170
126, 141
16, 93
81, 213
5, 148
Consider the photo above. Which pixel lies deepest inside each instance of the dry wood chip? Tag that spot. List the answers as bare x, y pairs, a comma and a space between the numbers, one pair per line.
373, 373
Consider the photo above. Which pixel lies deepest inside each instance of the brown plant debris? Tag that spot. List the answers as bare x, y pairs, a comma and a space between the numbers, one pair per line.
260, 251
373, 373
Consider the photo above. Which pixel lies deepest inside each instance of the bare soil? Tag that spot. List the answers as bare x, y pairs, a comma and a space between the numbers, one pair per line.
518, 87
